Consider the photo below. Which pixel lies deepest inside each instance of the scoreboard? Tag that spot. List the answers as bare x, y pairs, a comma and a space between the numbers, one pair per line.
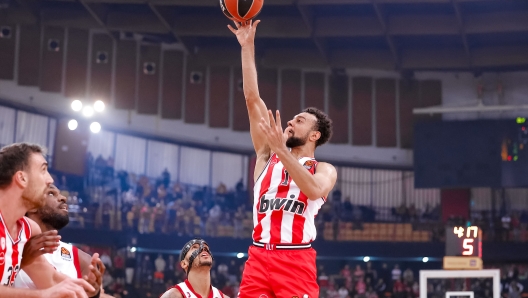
463, 248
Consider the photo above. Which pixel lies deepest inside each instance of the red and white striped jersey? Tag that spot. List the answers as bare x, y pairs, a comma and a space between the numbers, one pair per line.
187, 291
11, 250
282, 213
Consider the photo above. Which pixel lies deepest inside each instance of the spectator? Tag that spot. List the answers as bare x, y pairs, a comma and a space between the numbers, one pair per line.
380, 287
515, 289
396, 273
342, 292
361, 287
107, 261
370, 273
166, 178
398, 288
385, 273
211, 226
332, 292
240, 214
359, 274
119, 267
408, 276
160, 263
323, 281
371, 293
130, 265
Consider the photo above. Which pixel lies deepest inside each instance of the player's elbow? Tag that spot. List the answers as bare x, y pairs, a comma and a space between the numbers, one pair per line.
315, 193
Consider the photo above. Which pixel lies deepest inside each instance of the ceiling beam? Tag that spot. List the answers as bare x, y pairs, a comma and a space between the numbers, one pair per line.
390, 41
95, 15
166, 24
309, 21
460, 21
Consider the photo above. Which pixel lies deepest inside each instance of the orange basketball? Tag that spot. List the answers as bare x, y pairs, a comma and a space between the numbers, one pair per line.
241, 10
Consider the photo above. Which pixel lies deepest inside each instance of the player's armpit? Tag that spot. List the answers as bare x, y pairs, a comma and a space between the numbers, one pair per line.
172, 293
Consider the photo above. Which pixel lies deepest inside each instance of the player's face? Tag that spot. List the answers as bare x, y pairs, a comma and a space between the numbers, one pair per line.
299, 130
203, 259
55, 210
38, 181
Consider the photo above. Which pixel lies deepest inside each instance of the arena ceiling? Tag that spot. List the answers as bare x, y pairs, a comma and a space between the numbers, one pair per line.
449, 35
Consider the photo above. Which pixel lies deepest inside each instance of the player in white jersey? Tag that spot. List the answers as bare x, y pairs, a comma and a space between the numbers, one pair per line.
196, 260
24, 180
67, 259
290, 187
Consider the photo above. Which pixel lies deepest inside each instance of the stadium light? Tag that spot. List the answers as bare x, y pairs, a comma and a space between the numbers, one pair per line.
76, 105
72, 124
240, 255
425, 259
95, 127
366, 259
133, 249
99, 106
88, 111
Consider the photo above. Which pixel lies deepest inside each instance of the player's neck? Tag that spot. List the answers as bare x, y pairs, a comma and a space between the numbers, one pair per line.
303, 151
200, 280
12, 207
43, 227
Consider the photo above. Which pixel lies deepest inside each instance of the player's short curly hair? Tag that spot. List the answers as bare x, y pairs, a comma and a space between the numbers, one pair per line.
323, 125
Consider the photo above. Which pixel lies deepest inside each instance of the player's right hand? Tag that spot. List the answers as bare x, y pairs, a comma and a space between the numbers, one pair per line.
245, 32
46, 242
68, 288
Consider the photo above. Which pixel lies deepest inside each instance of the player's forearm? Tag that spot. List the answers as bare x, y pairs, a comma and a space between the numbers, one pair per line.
249, 73
304, 179
8, 292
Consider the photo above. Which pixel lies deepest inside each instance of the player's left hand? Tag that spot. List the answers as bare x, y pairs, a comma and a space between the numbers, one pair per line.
46, 242
273, 132
95, 277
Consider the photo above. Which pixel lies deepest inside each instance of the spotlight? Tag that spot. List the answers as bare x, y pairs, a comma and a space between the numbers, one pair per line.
133, 249
76, 105
5, 32
88, 111
72, 124
99, 106
53, 45
425, 259
149, 68
101, 57
240, 255
95, 127
366, 259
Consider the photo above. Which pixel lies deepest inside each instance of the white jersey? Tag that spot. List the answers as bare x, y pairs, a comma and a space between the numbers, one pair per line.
187, 291
65, 260
11, 250
281, 212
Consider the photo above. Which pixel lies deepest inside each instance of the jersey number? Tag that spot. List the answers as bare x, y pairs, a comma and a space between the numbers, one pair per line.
286, 178
12, 274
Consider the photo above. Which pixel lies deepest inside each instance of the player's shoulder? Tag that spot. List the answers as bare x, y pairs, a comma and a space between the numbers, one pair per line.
321, 165
172, 293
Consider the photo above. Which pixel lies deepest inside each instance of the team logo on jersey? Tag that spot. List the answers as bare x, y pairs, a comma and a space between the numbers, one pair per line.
2, 258
309, 164
65, 254
289, 205
2, 243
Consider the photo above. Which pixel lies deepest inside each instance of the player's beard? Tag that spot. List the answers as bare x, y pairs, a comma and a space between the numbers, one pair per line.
294, 141
50, 217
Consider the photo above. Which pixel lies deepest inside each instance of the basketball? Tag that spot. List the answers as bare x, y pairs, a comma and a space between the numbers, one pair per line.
241, 10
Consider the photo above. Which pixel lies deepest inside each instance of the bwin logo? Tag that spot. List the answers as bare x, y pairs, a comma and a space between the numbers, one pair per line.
289, 205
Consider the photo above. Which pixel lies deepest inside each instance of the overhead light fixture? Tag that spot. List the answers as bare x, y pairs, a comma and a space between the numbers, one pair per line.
99, 106
88, 111
366, 259
95, 127
76, 105
425, 259
72, 124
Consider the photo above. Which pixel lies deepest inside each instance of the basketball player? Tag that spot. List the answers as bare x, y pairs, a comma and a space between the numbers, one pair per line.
24, 180
67, 259
196, 260
290, 188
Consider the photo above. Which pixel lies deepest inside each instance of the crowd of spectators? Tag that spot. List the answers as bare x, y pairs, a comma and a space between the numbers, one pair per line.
124, 201
134, 274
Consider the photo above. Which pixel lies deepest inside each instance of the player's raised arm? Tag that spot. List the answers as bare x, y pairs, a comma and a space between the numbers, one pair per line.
245, 33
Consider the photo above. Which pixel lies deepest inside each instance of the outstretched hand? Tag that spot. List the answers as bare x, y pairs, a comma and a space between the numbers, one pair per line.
272, 129
245, 32
95, 277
